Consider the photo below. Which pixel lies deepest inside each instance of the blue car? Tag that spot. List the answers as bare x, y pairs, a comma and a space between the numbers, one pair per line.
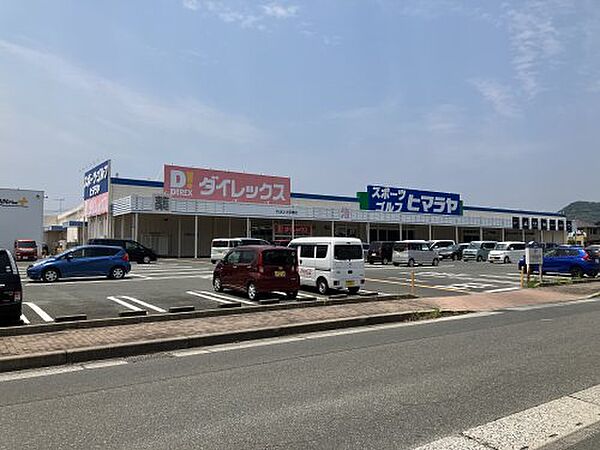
84, 261
571, 260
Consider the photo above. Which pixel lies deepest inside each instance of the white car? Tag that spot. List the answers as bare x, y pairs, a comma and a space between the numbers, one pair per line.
220, 247
330, 263
507, 252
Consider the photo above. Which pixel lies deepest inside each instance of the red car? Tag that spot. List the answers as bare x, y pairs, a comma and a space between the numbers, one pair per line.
258, 270
25, 249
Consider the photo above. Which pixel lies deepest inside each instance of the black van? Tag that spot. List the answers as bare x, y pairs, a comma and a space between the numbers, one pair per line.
380, 251
136, 251
11, 290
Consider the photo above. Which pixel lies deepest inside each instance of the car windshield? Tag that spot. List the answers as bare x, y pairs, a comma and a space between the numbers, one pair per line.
476, 245
279, 257
501, 246
346, 252
26, 244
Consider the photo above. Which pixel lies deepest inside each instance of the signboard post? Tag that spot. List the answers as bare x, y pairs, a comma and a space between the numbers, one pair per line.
534, 256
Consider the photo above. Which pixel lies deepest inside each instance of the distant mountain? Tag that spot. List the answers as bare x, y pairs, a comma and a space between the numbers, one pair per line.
582, 211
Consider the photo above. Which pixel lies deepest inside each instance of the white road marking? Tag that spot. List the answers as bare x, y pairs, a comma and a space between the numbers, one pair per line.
231, 299
124, 303
25, 319
532, 428
39, 311
191, 352
34, 373
209, 297
140, 302
102, 364
137, 275
516, 288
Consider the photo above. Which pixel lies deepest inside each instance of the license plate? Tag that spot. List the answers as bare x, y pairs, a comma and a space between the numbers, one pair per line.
350, 283
280, 273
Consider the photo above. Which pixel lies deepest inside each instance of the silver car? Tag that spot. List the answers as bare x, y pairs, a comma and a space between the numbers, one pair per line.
478, 250
410, 253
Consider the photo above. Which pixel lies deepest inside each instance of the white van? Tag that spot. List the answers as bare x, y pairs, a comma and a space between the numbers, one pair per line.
330, 263
507, 252
220, 247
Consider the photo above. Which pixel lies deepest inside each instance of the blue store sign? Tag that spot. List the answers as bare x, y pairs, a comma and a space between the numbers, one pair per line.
95, 181
391, 199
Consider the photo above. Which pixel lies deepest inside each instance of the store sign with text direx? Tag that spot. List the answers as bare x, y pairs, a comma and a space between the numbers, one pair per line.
218, 185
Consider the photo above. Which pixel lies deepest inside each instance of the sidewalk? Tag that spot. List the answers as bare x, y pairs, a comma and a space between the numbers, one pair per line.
114, 341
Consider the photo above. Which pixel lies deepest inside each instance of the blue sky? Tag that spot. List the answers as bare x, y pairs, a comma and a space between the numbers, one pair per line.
498, 101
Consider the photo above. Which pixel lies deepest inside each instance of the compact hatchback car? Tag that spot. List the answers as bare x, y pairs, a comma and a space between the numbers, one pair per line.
380, 251
258, 270
84, 261
571, 260
11, 290
478, 250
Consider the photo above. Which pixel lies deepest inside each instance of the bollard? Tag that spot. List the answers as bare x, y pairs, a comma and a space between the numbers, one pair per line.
522, 277
412, 282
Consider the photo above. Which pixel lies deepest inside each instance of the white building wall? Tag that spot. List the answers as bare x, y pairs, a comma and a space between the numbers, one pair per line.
24, 221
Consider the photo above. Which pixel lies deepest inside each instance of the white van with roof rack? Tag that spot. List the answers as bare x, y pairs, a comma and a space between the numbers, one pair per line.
330, 263
221, 246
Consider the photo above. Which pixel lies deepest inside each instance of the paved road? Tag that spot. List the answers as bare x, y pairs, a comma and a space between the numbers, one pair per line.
386, 387
157, 287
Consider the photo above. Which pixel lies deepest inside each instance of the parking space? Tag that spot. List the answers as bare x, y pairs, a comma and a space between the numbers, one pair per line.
169, 283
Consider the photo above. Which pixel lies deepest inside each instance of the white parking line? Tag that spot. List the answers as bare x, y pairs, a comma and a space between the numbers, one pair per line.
491, 291
231, 299
208, 297
25, 320
140, 302
125, 304
39, 311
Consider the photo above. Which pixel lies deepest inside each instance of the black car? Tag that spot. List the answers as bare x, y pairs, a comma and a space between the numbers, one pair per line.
453, 252
594, 251
380, 251
11, 290
136, 251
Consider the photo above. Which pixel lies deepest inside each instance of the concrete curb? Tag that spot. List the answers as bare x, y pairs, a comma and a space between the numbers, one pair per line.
79, 355
96, 323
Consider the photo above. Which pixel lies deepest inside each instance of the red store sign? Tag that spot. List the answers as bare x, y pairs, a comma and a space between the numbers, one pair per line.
218, 185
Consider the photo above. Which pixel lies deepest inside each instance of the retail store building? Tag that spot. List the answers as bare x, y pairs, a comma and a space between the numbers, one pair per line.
180, 216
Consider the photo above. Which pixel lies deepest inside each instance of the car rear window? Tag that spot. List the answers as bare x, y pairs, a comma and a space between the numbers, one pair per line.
279, 257
346, 252
375, 246
26, 244
220, 244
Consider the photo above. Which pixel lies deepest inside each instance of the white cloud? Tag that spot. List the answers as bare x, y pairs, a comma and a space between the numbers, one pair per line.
500, 96
191, 4
134, 108
535, 39
279, 10
445, 118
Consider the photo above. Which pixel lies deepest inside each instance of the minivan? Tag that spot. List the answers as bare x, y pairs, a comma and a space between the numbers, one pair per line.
136, 251
330, 263
221, 246
25, 249
478, 250
380, 251
11, 290
507, 252
414, 252
257, 270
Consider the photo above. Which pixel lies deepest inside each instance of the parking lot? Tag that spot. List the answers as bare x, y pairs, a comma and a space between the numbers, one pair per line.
186, 282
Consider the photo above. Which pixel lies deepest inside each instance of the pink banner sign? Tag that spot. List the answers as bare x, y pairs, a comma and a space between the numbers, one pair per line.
97, 205
218, 185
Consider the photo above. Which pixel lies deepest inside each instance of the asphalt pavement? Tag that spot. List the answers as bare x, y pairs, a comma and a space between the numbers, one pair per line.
392, 386
187, 282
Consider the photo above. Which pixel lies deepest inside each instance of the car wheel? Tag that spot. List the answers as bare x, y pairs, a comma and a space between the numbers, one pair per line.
576, 272
252, 292
217, 284
453, 257
354, 290
396, 264
50, 275
435, 262
385, 261
292, 295
146, 260
479, 258
506, 260
322, 286
117, 273
411, 263
593, 274
213, 261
